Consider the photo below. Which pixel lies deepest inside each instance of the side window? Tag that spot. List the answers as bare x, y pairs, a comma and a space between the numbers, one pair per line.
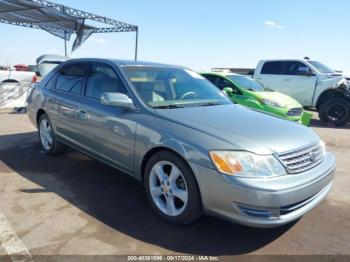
272, 68
221, 83
295, 68
51, 82
70, 78
102, 78
211, 78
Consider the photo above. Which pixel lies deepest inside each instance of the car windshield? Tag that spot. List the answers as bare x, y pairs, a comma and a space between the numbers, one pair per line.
247, 83
163, 87
322, 68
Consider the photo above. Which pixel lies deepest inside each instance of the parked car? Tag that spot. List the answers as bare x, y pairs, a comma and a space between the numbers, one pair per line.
245, 91
311, 83
13, 76
193, 149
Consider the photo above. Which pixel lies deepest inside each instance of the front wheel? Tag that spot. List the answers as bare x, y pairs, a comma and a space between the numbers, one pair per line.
172, 189
335, 111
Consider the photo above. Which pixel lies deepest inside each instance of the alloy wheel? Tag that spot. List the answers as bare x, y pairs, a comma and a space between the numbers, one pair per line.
168, 188
46, 134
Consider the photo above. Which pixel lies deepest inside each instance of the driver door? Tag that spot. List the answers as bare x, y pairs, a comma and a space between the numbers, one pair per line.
297, 83
107, 131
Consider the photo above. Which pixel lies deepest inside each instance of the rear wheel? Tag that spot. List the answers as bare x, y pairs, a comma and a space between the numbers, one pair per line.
335, 111
47, 137
172, 189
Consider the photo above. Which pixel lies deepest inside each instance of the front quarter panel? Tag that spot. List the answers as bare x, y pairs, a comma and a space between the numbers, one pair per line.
154, 132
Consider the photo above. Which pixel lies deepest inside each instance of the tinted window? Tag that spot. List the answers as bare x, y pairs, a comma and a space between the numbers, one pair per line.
211, 78
51, 82
221, 83
294, 68
70, 78
272, 68
102, 78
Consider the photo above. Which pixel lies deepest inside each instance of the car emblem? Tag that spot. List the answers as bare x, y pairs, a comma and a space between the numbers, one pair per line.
313, 156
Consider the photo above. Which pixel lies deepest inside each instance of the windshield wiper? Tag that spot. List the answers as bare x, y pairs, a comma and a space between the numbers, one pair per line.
167, 107
210, 104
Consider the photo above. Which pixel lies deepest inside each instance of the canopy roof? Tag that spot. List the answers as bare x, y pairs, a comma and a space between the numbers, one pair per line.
59, 20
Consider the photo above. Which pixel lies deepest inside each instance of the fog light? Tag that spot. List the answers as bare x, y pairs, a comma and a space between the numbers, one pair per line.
251, 211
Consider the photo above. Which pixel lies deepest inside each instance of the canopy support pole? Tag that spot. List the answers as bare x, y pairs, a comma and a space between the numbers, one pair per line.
65, 45
136, 42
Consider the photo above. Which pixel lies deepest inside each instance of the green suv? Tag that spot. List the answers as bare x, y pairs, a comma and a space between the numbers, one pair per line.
246, 91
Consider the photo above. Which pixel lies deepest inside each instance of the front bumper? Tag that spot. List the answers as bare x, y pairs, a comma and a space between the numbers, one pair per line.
266, 202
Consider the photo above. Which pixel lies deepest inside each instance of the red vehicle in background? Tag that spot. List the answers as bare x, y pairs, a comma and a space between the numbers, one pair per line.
21, 67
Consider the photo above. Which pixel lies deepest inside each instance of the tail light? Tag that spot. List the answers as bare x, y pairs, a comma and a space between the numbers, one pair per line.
34, 79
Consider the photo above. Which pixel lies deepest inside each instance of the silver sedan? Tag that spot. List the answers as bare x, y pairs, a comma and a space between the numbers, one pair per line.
194, 150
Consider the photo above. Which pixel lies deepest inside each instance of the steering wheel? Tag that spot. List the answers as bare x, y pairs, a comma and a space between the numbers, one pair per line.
191, 93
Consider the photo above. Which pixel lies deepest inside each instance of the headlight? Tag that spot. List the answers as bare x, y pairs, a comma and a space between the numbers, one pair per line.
271, 103
341, 82
245, 164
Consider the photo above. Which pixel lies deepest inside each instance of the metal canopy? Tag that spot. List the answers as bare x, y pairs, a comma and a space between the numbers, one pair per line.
59, 20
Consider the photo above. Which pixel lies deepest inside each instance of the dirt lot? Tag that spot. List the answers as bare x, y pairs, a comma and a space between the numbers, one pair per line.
74, 205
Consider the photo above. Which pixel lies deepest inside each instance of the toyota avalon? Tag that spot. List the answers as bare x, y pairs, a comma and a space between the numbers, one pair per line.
193, 149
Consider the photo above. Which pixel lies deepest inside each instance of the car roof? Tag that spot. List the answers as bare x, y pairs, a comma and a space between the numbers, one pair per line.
221, 73
283, 60
119, 62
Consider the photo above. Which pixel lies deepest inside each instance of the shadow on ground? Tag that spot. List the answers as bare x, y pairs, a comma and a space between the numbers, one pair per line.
119, 202
319, 124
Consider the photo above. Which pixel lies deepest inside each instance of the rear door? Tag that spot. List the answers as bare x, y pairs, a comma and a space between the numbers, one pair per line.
108, 131
271, 76
69, 85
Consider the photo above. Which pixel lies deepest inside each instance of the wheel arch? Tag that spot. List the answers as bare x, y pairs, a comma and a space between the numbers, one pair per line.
10, 81
39, 113
332, 93
154, 151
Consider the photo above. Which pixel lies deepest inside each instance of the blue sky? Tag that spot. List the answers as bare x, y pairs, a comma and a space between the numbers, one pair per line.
202, 34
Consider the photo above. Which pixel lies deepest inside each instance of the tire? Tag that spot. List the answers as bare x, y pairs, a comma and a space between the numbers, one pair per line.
335, 111
50, 146
179, 213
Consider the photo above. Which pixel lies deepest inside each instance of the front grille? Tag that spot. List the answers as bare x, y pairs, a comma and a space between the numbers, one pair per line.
303, 159
295, 112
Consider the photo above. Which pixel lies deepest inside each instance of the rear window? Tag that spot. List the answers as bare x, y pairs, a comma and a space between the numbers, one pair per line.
272, 68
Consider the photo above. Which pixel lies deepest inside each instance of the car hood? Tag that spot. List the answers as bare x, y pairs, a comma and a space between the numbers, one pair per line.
282, 99
242, 128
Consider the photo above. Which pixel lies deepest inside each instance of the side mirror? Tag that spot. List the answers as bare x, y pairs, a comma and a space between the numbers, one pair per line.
228, 91
117, 99
305, 71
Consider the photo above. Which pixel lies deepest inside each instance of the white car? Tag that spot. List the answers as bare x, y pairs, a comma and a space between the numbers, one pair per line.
311, 83
12, 76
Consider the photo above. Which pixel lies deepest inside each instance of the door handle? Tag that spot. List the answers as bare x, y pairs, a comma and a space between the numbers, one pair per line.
83, 114
287, 80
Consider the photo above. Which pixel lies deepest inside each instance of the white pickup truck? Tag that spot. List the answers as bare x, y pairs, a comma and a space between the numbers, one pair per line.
12, 76
311, 83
